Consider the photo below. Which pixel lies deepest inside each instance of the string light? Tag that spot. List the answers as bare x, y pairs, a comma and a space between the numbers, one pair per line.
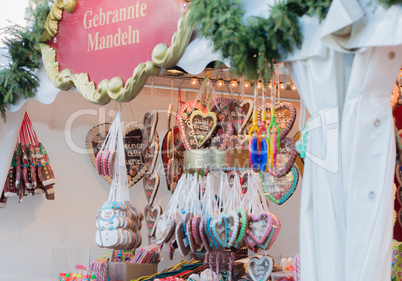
220, 83
233, 83
259, 85
194, 81
246, 84
293, 87
269, 85
282, 86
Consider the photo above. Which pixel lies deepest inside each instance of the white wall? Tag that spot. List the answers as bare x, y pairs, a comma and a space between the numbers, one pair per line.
38, 231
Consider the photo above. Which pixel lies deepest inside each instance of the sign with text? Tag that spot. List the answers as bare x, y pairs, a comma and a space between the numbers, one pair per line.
108, 39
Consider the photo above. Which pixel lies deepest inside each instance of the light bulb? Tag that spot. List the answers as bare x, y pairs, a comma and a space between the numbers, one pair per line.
293, 87
246, 84
282, 86
194, 81
259, 85
233, 83
270, 85
220, 82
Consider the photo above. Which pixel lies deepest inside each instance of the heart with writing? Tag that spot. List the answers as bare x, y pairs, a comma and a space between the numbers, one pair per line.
260, 226
133, 144
225, 228
240, 112
150, 183
224, 128
185, 128
285, 158
279, 190
203, 125
260, 269
150, 123
239, 142
172, 156
152, 214
285, 114
151, 155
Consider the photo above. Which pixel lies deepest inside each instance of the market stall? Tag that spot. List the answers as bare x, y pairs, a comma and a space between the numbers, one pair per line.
208, 158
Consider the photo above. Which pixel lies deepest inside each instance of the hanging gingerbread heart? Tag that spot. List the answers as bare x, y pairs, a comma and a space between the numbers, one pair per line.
243, 175
259, 227
203, 125
224, 128
151, 185
150, 123
285, 158
172, 157
164, 229
285, 117
239, 142
185, 128
240, 112
134, 149
151, 155
152, 214
260, 269
279, 190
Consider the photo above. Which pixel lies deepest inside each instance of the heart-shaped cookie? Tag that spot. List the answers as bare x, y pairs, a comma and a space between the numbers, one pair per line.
260, 269
285, 114
204, 235
181, 238
240, 112
150, 123
239, 142
150, 183
152, 214
243, 177
285, 158
134, 149
164, 229
184, 124
203, 125
173, 157
224, 128
259, 227
299, 160
398, 173
151, 155
279, 190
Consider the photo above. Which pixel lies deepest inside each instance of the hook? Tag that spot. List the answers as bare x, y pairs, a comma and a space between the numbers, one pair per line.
182, 81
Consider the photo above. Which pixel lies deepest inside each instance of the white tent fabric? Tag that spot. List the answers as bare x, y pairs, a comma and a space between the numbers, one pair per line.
350, 62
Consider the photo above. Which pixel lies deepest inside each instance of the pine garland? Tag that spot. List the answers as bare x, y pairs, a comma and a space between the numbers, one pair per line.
252, 48
18, 78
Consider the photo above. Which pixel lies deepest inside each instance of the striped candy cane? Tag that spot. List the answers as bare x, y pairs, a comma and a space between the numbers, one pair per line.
297, 268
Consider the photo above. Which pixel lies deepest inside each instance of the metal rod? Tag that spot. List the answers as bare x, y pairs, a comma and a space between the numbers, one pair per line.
196, 91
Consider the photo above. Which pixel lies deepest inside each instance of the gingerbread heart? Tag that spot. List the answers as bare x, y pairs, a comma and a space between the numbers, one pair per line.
204, 235
285, 114
243, 175
173, 157
181, 239
260, 269
184, 124
259, 227
151, 155
299, 161
152, 214
150, 183
150, 123
224, 128
285, 158
164, 229
134, 149
279, 190
239, 142
240, 112
203, 125
398, 173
